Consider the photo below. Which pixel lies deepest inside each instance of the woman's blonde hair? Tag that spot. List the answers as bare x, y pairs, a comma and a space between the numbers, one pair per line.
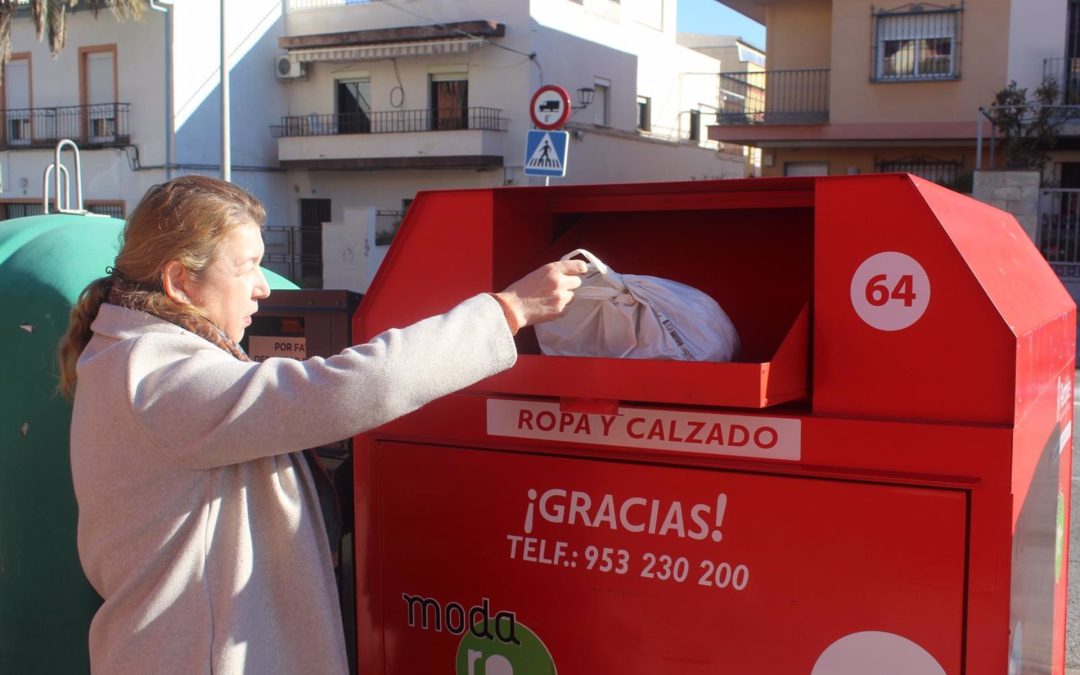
185, 220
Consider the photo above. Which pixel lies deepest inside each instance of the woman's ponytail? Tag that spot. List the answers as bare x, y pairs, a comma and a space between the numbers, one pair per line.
78, 333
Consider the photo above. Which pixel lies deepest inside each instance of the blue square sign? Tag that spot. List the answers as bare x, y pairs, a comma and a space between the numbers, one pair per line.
545, 153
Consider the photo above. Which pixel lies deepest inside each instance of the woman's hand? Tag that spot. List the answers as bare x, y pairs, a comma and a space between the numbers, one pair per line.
543, 294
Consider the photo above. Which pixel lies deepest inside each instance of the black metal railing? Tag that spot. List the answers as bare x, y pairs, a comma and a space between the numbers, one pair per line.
98, 125
1066, 72
775, 97
390, 121
944, 172
1058, 235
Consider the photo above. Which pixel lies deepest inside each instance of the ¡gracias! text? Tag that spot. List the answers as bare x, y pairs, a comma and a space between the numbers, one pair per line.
631, 514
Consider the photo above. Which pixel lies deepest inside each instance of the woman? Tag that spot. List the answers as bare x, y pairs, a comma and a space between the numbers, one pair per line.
199, 522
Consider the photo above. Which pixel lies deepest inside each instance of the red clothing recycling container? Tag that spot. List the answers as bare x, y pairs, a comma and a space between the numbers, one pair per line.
880, 484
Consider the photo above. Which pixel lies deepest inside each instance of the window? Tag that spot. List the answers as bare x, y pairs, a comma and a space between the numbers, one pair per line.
1072, 33
695, 125
601, 102
20, 209
806, 168
353, 107
18, 127
388, 227
922, 45
97, 81
644, 113
102, 123
1070, 78
17, 99
313, 213
449, 101
943, 172
750, 55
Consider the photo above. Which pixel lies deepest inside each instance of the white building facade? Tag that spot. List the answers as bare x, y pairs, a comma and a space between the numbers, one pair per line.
341, 110
142, 101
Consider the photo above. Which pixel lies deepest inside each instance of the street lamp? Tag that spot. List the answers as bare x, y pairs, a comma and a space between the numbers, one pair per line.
584, 97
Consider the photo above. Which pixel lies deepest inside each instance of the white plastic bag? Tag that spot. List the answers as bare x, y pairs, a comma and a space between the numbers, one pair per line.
638, 317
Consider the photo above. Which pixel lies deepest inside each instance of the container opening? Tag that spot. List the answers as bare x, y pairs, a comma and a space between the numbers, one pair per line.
757, 263
751, 250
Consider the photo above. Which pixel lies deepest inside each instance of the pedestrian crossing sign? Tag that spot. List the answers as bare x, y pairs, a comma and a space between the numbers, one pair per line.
545, 153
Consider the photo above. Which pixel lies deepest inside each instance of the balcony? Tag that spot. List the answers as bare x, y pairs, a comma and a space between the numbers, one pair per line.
390, 121
299, 5
1066, 72
782, 97
101, 125
394, 139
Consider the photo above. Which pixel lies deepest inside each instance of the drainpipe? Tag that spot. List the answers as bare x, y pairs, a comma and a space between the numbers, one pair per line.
979, 139
164, 6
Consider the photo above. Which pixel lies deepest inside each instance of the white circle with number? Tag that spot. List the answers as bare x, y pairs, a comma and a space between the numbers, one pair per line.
890, 291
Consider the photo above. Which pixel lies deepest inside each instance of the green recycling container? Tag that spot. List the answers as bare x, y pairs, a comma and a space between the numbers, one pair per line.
45, 601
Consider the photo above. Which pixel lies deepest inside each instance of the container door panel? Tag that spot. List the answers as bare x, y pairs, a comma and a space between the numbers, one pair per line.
518, 563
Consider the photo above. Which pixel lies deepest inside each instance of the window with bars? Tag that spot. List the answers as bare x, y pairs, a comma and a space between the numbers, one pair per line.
916, 42
387, 228
1072, 33
20, 209
449, 101
943, 172
18, 128
111, 209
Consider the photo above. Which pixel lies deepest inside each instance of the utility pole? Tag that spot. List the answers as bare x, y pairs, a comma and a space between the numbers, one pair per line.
226, 158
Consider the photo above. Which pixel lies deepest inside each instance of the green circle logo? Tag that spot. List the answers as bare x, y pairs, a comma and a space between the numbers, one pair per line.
505, 647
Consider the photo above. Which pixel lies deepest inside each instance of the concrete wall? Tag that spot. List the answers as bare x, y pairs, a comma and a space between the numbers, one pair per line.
675, 78
256, 99
630, 44
119, 174
845, 160
799, 35
999, 41
854, 98
1037, 31
353, 257
106, 173
1014, 191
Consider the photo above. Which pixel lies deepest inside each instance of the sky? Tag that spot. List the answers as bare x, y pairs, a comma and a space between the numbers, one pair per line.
709, 16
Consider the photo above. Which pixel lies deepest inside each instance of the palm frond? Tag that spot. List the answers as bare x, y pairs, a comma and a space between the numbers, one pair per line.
57, 21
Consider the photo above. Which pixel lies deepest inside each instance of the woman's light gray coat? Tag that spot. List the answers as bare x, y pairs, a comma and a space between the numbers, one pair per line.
196, 524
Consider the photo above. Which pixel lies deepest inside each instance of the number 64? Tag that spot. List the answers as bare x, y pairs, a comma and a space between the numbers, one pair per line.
877, 292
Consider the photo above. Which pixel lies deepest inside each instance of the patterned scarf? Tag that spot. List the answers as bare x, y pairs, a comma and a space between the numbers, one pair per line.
129, 295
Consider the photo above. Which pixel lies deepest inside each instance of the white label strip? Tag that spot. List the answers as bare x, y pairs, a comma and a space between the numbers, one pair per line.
702, 433
261, 347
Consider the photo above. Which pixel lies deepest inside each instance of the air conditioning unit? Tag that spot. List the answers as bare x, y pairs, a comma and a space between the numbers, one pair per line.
287, 69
